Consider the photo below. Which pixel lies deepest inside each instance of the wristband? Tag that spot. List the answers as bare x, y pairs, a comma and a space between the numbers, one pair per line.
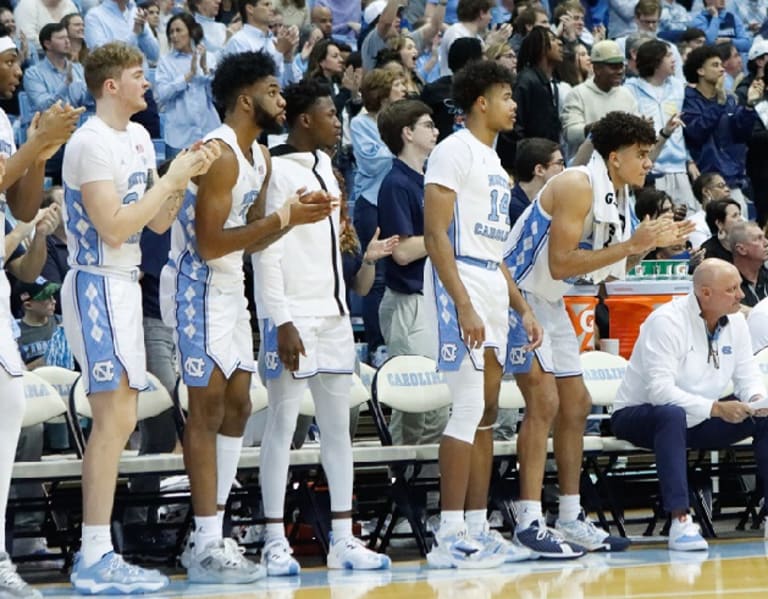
284, 214
664, 135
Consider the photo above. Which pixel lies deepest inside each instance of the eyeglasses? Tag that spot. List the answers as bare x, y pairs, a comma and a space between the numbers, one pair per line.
428, 124
560, 162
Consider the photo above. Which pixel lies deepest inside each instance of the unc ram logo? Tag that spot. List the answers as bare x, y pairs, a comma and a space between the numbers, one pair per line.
516, 356
103, 371
449, 352
271, 360
194, 367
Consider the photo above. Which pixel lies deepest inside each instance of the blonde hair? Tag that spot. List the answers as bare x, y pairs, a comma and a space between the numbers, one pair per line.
497, 50
108, 62
376, 87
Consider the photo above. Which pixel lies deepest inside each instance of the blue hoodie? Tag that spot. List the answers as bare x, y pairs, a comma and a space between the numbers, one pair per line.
716, 134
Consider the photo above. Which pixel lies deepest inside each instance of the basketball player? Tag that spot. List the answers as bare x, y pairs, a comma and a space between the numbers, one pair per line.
579, 224
307, 335
21, 186
222, 216
465, 226
107, 165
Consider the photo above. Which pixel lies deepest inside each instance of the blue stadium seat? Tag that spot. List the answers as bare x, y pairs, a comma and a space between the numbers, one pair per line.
159, 150
25, 109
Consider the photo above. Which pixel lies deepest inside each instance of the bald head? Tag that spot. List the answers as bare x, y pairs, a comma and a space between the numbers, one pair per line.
711, 272
322, 18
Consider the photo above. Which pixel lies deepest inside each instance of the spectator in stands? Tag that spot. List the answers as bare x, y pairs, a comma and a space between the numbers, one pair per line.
569, 16
575, 68
32, 15
183, 86
621, 17
428, 64
749, 248
502, 53
659, 95
379, 88
407, 53
152, 10
721, 216
322, 19
706, 188
752, 13
38, 322
474, 16
593, 99
533, 16
320, 323
27, 55
721, 25
535, 91
632, 44
757, 145
215, 34
716, 127
688, 353
75, 25
295, 12
22, 184
733, 66
255, 36
673, 20
346, 18
410, 134
437, 95
536, 162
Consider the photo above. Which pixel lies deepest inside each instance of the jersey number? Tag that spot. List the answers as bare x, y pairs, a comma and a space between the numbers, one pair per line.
497, 207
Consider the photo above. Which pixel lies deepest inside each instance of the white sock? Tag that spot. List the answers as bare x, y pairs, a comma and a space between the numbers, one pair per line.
274, 530
220, 518
227, 456
527, 513
570, 507
341, 528
476, 520
207, 531
451, 520
96, 543
12, 392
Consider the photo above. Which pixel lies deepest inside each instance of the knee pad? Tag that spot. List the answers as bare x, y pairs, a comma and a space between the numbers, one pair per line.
468, 404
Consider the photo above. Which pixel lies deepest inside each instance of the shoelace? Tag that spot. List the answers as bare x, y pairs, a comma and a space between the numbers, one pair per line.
278, 547
117, 563
9, 578
545, 531
235, 553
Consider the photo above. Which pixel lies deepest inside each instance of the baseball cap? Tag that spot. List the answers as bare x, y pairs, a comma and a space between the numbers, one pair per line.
606, 52
373, 10
759, 48
41, 289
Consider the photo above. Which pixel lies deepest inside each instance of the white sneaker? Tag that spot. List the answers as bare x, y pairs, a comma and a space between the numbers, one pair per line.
11, 584
277, 558
684, 535
494, 542
351, 554
584, 533
221, 562
455, 549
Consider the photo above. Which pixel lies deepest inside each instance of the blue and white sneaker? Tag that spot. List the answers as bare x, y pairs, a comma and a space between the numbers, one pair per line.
352, 554
455, 549
494, 542
111, 575
12, 586
583, 531
547, 543
277, 558
222, 562
684, 535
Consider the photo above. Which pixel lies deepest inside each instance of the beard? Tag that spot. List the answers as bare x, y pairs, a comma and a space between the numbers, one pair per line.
266, 121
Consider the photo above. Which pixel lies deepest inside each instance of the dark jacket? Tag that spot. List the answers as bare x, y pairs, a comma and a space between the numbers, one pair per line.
716, 134
537, 106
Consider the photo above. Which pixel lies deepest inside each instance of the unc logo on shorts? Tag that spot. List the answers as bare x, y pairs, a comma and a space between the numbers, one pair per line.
194, 367
271, 360
516, 356
727, 350
103, 371
448, 352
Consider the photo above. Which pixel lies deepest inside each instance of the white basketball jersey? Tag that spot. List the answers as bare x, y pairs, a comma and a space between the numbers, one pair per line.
7, 149
97, 152
184, 256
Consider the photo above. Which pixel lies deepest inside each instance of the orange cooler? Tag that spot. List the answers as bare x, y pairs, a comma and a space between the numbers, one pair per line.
580, 303
628, 307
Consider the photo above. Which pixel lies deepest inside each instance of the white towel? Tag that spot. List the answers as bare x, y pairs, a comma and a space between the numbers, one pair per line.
607, 212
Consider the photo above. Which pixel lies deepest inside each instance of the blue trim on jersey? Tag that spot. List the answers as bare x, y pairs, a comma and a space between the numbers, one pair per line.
452, 349
529, 243
80, 228
274, 366
103, 367
191, 317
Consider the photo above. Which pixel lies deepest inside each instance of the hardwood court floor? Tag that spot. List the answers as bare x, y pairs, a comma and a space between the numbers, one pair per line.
730, 569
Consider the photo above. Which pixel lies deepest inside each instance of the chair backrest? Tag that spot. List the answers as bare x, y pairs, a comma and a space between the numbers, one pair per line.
42, 400
25, 109
603, 374
154, 400
510, 396
411, 384
358, 395
367, 373
60, 378
258, 395
761, 358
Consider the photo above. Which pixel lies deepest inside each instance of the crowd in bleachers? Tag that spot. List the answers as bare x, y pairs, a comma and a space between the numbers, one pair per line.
695, 68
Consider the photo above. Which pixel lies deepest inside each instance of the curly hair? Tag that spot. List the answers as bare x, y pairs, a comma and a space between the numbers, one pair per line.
108, 62
621, 129
237, 71
475, 80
